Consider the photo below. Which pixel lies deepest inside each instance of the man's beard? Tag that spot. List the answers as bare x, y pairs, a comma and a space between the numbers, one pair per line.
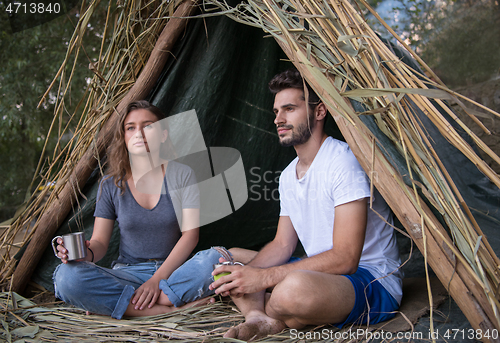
301, 135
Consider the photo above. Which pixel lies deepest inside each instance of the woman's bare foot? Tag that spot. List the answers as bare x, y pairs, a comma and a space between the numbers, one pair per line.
255, 327
197, 303
88, 313
162, 309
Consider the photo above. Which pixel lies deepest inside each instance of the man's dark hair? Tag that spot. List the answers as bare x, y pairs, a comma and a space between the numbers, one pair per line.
291, 78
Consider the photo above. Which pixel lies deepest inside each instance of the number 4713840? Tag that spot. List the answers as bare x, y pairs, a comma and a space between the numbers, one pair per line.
478, 334
33, 8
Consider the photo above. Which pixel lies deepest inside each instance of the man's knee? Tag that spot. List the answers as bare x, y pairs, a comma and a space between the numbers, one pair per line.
291, 294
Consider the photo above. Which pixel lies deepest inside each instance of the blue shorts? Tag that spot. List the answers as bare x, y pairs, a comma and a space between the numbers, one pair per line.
383, 306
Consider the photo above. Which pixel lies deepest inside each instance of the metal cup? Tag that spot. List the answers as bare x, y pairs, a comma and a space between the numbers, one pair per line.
74, 243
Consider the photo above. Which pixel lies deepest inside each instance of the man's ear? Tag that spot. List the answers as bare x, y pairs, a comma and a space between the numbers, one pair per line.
320, 111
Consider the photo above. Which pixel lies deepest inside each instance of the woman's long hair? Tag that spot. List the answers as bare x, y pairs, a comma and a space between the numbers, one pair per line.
118, 157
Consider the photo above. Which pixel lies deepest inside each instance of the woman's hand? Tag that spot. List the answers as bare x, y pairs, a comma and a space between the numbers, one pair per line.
147, 294
62, 252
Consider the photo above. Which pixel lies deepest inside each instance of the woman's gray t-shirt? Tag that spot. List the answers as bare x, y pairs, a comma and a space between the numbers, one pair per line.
149, 234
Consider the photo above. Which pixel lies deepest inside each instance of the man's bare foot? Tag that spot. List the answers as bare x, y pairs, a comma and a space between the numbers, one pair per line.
255, 327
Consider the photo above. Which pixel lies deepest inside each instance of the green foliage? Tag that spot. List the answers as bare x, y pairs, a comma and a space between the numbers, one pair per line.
466, 48
30, 60
458, 39
420, 19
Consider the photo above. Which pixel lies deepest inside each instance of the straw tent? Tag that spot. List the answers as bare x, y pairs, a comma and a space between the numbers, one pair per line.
395, 118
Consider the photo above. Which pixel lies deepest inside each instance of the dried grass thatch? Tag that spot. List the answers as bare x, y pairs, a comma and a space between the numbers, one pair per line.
341, 57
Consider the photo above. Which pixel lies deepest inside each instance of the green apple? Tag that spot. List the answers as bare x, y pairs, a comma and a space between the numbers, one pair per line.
216, 277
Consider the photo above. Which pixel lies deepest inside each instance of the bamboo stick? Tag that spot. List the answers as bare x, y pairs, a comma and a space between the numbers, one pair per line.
459, 284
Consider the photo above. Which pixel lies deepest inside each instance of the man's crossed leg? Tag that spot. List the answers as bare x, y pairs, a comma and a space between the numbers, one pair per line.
302, 298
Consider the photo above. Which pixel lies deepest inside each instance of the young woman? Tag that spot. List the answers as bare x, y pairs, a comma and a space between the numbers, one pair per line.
146, 194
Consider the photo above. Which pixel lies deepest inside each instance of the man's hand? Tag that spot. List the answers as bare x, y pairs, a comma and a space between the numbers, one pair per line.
147, 294
242, 280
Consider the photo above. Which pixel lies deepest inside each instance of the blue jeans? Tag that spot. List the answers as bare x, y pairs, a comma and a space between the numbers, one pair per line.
108, 291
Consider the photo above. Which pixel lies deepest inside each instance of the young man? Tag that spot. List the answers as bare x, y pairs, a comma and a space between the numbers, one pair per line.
351, 271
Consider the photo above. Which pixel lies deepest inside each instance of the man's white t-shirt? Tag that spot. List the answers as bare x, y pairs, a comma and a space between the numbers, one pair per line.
335, 178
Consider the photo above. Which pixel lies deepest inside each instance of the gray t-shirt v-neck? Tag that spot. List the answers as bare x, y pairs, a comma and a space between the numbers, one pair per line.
149, 234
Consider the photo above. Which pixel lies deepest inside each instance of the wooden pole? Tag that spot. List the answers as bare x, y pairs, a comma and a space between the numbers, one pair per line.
464, 289
59, 209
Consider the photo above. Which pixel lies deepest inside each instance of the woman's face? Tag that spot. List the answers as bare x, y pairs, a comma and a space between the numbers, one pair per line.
143, 132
